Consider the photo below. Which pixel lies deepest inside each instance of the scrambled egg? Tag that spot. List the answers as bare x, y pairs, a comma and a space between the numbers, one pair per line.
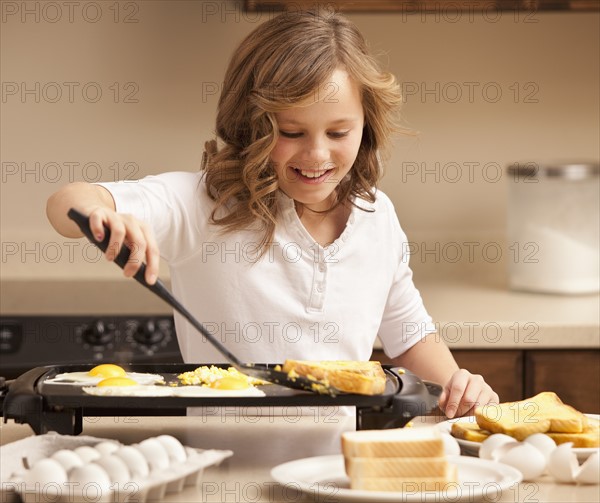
207, 376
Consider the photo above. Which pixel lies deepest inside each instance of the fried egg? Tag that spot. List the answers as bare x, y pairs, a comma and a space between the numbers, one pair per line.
105, 371
117, 381
230, 383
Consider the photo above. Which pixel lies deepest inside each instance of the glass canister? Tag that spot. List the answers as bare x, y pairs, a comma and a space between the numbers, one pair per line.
553, 227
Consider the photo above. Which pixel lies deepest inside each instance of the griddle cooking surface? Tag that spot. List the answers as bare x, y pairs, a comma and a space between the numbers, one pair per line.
61, 407
71, 395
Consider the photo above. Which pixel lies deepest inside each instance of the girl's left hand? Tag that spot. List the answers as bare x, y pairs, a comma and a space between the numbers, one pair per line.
465, 391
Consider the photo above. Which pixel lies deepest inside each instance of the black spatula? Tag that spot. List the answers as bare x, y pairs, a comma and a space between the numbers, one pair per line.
254, 370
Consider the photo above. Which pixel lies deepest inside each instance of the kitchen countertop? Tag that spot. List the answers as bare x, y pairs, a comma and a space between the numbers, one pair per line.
479, 312
471, 311
259, 444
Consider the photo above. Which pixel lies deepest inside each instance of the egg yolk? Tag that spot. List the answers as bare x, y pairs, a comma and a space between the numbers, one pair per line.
230, 383
107, 370
117, 381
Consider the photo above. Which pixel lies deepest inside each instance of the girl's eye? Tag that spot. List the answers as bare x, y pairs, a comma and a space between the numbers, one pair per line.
338, 134
288, 134
333, 134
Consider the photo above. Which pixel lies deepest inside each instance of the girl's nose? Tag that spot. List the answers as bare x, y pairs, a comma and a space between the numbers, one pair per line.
317, 152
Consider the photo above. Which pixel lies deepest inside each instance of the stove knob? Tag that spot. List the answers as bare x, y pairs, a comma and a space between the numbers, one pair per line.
148, 333
99, 333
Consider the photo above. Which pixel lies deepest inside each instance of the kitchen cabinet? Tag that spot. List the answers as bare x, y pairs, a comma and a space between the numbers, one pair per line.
574, 375
502, 370
426, 6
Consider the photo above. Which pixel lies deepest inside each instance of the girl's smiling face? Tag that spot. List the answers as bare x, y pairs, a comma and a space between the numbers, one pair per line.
318, 142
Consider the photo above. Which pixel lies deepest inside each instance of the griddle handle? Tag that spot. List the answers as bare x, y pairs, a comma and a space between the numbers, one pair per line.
416, 397
158, 288
22, 402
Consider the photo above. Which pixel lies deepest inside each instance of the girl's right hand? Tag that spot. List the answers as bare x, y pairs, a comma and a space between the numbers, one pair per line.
131, 232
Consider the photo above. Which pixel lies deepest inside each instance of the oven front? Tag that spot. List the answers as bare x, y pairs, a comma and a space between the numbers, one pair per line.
27, 342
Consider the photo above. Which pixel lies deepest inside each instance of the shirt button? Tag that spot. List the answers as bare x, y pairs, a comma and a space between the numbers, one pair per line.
320, 288
322, 267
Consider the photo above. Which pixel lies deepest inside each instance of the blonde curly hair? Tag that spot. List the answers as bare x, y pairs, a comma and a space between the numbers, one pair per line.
279, 64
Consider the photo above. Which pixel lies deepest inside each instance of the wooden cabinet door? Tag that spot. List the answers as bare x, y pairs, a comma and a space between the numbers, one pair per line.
574, 375
501, 369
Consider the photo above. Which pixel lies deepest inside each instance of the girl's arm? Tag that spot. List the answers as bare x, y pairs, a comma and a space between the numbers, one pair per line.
97, 202
431, 360
82, 196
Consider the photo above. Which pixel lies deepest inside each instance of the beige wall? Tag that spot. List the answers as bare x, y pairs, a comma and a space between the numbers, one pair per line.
167, 64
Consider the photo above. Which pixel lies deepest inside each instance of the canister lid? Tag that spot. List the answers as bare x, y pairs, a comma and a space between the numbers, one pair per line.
567, 170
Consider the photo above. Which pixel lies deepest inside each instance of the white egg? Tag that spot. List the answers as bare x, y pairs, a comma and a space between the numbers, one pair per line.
502, 449
524, 457
175, 449
47, 473
90, 478
155, 453
86, 453
542, 443
451, 446
590, 470
493, 442
562, 464
68, 459
116, 468
107, 447
135, 461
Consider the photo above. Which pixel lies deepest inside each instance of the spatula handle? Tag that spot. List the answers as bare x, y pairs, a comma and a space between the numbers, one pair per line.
83, 222
158, 288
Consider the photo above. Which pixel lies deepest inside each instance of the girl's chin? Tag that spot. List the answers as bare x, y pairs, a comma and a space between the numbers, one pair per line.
317, 194
314, 203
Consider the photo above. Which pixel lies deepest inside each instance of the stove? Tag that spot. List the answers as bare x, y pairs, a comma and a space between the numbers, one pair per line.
27, 341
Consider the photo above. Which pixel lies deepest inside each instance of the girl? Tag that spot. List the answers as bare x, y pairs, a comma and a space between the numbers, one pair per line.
283, 246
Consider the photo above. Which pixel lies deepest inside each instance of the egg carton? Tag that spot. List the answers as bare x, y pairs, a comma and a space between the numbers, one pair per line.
152, 488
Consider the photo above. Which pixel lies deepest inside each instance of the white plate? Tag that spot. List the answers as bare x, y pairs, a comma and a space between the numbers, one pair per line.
472, 448
325, 478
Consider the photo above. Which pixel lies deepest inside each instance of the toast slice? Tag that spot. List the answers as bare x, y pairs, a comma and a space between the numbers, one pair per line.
410, 485
364, 378
469, 431
409, 460
590, 437
393, 443
542, 413
396, 467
